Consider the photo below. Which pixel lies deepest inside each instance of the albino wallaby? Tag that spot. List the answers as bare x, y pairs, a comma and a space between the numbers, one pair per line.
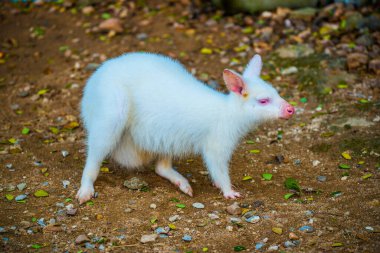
143, 106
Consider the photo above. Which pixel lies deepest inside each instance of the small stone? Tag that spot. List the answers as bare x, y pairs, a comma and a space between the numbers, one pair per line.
356, 60
2, 230
307, 229
112, 24
41, 222
128, 210
91, 66
102, 247
88, 10
10, 188
213, 216
289, 71
153, 206
230, 228
253, 219
65, 183
21, 186
293, 236
142, 36
234, 209
173, 218
148, 238
277, 230
65, 153
289, 244
198, 205
88, 245
297, 162
316, 163
344, 178
273, 248
52, 228
321, 178
71, 211
259, 245
81, 239
258, 203
21, 197
135, 183
187, 238
9, 166
374, 65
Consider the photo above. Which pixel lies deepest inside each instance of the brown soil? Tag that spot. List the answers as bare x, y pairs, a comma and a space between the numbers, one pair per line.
37, 63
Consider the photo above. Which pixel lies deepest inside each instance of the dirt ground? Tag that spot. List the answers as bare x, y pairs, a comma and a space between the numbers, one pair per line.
47, 53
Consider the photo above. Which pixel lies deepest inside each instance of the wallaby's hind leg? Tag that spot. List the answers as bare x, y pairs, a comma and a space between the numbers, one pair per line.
164, 169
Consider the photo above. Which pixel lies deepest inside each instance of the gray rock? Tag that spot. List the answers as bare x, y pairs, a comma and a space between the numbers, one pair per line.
21, 197
142, 36
321, 178
295, 51
21, 186
81, 239
135, 183
198, 205
148, 238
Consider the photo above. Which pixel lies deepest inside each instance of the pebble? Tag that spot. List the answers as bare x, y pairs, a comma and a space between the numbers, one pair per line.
259, 245
21, 197
112, 24
297, 162
293, 236
321, 178
230, 228
253, 219
41, 222
65, 183
128, 210
71, 211
91, 66
135, 183
234, 209
142, 36
307, 229
21, 186
148, 238
235, 220
258, 203
273, 248
198, 205
87, 10
2, 230
187, 238
153, 206
356, 60
289, 71
102, 247
9, 166
213, 216
344, 178
309, 213
289, 244
174, 218
10, 188
81, 239
65, 153
316, 163
88, 245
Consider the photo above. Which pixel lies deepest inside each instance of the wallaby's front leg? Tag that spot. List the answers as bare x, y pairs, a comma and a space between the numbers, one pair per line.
217, 165
164, 169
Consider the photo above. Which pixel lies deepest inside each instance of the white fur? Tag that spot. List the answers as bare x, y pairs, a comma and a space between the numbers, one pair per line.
142, 106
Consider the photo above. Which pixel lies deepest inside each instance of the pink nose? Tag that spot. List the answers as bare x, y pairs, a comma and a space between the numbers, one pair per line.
289, 110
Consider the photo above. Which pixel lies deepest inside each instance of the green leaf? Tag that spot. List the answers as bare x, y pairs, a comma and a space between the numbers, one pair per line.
153, 220
12, 140
288, 195
180, 205
41, 193
250, 142
25, 131
36, 246
292, 184
206, 50
174, 200
43, 91
9, 197
239, 248
367, 176
247, 30
337, 244
336, 193
68, 200
344, 166
54, 130
254, 151
90, 203
267, 176
245, 178
303, 100
106, 15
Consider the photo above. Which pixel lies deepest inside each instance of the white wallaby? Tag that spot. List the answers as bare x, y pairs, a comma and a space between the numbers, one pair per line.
143, 106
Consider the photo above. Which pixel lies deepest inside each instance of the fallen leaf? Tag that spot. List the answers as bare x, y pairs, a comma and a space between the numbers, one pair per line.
254, 151
245, 178
288, 195
292, 184
41, 193
180, 205
267, 176
206, 50
344, 166
367, 176
9, 197
346, 155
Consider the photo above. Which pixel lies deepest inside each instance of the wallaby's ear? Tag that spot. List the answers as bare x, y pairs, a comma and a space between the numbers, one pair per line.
235, 82
254, 67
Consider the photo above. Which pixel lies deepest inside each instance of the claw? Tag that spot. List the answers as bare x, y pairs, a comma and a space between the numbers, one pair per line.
85, 193
232, 195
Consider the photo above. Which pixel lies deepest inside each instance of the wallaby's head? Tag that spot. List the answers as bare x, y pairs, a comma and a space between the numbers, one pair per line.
257, 95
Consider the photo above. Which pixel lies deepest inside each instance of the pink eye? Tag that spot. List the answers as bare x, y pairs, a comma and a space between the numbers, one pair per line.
264, 101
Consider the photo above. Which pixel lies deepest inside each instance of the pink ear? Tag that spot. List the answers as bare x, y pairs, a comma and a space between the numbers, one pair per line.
234, 82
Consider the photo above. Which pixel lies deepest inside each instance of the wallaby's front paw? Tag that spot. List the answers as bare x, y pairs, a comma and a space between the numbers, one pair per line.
85, 193
232, 195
